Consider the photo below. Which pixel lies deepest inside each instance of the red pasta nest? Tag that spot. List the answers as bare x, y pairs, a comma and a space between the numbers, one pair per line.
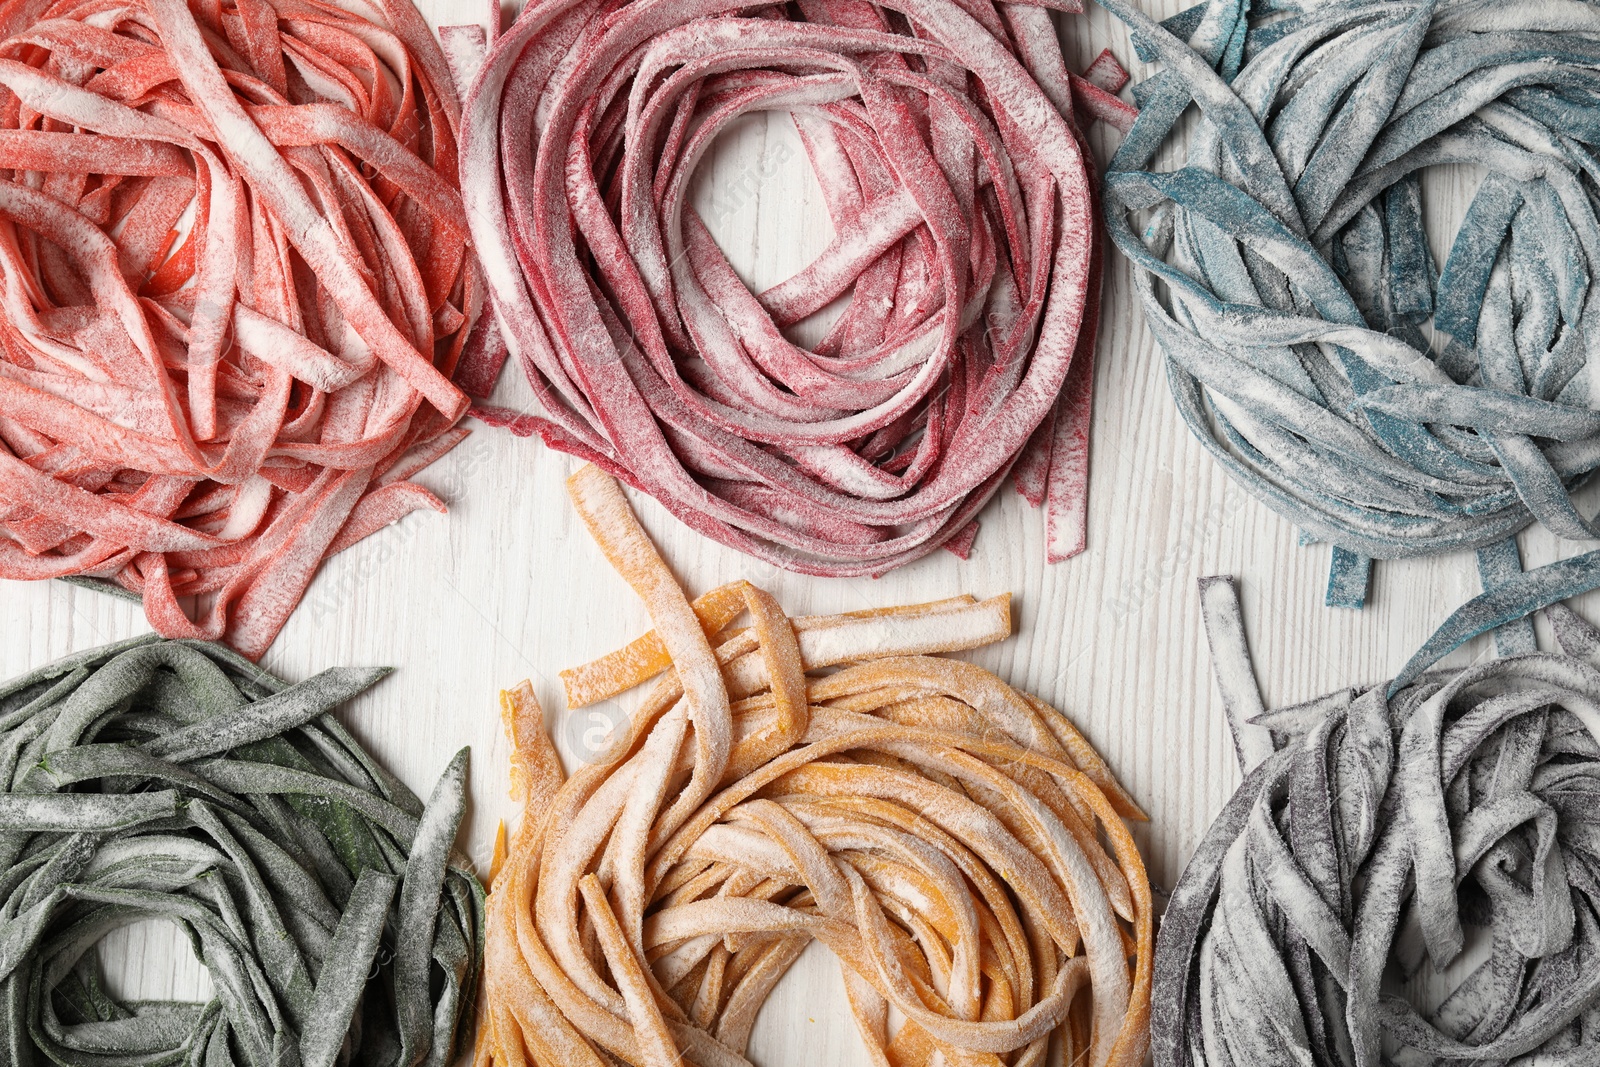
943, 136
236, 283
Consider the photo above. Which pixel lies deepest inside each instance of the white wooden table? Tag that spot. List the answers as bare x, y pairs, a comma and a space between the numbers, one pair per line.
509, 586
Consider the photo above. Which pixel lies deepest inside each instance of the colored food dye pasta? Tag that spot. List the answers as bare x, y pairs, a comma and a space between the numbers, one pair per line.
945, 141
1381, 836
235, 283
1381, 402
956, 843
174, 780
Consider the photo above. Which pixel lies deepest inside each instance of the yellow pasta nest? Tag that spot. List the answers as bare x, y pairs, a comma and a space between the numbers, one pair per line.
957, 844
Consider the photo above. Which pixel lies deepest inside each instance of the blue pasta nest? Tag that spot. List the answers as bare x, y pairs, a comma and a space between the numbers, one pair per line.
176, 780
1381, 402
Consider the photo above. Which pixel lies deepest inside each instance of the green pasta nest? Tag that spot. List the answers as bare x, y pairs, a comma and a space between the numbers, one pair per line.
176, 780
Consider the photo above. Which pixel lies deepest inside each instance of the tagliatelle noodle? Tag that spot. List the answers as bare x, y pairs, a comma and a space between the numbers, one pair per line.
957, 844
236, 282
1382, 403
945, 141
1379, 837
175, 780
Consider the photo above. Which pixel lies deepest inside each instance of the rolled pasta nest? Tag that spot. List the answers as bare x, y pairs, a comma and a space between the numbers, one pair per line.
235, 282
1382, 402
946, 140
957, 844
176, 781
1406, 875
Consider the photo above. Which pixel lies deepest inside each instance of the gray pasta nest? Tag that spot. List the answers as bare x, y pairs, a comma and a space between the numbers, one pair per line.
175, 780
1382, 837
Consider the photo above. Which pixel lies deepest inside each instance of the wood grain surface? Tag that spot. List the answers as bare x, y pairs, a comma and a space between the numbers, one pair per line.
508, 586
